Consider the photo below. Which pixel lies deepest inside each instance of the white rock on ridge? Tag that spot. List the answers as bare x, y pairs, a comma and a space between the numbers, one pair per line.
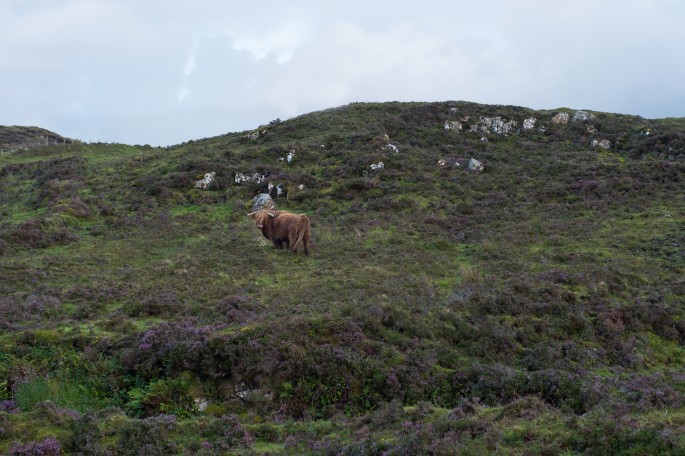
529, 124
291, 156
377, 166
392, 147
582, 116
560, 118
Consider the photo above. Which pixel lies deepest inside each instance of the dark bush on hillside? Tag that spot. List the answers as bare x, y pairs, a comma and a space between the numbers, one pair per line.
227, 433
167, 348
498, 384
160, 303
40, 232
48, 447
147, 436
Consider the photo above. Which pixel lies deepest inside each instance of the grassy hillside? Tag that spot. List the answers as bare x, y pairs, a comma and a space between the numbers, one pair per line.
537, 306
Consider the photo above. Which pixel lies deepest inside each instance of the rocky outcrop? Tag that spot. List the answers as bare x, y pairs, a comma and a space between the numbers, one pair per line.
277, 190
601, 143
206, 182
377, 166
263, 201
582, 116
453, 125
392, 148
529, 124
560, 118
475, 166
494, 125
254, 177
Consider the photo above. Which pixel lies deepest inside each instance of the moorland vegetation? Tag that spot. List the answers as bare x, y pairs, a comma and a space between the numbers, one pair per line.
536, 306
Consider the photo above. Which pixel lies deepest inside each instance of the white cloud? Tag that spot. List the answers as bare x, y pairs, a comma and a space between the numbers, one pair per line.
281, 41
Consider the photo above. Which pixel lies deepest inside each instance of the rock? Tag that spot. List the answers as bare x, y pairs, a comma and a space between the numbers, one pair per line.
276, 191
377, 166
582, 116
529, 124
475, 166
263, 201
601, 143
560, 118
254, 177
453, 109
201, 403
291, 156
255, 134
445, 162
206, 181
453, 125
495, 125
392, 147
591, 129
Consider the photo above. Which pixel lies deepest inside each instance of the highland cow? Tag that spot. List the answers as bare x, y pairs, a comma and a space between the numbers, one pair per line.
283, 228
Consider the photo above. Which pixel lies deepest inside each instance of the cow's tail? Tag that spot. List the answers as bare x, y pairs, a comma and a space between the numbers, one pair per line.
302, 236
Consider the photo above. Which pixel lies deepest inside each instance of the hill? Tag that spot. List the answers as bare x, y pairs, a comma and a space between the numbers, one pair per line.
13, 138
534, 306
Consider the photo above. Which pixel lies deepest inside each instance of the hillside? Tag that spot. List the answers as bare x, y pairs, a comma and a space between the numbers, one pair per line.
535, 306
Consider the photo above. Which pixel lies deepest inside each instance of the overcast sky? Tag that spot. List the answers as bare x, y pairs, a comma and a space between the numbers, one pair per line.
161, 72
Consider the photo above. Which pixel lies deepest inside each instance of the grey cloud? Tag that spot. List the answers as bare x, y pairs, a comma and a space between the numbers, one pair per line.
163, 72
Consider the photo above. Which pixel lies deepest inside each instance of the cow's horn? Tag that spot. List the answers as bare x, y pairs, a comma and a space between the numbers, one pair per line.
271, 214
251, 213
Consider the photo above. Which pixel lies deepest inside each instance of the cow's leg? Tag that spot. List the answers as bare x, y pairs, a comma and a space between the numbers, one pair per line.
278, 244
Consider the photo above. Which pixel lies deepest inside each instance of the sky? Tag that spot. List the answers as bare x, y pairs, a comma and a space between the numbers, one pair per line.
162, 72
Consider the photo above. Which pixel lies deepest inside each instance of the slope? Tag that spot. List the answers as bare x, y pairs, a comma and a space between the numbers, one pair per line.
535, 305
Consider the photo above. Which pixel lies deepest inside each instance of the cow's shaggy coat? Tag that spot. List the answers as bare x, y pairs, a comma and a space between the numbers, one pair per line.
283, 228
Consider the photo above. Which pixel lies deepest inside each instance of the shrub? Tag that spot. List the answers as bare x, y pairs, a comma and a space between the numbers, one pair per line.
48, 447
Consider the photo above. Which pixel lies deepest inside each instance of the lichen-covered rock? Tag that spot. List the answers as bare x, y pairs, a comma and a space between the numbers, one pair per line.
560, 118
453, 125
291, 156
377, 166
529, 124
277, 190
392, 148
206, 181
475, 166
582, 116
256, 134
495, 125
449, 162
601, 143
263, 201
254, 177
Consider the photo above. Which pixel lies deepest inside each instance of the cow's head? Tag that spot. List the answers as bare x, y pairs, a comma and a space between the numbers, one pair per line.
261, 217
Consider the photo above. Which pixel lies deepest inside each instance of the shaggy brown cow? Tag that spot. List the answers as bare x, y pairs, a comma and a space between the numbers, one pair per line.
283, 228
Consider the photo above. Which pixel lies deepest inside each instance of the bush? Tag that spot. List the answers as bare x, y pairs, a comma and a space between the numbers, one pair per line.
48, 447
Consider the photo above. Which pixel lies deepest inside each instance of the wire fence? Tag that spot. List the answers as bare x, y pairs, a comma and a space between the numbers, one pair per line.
9, 149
